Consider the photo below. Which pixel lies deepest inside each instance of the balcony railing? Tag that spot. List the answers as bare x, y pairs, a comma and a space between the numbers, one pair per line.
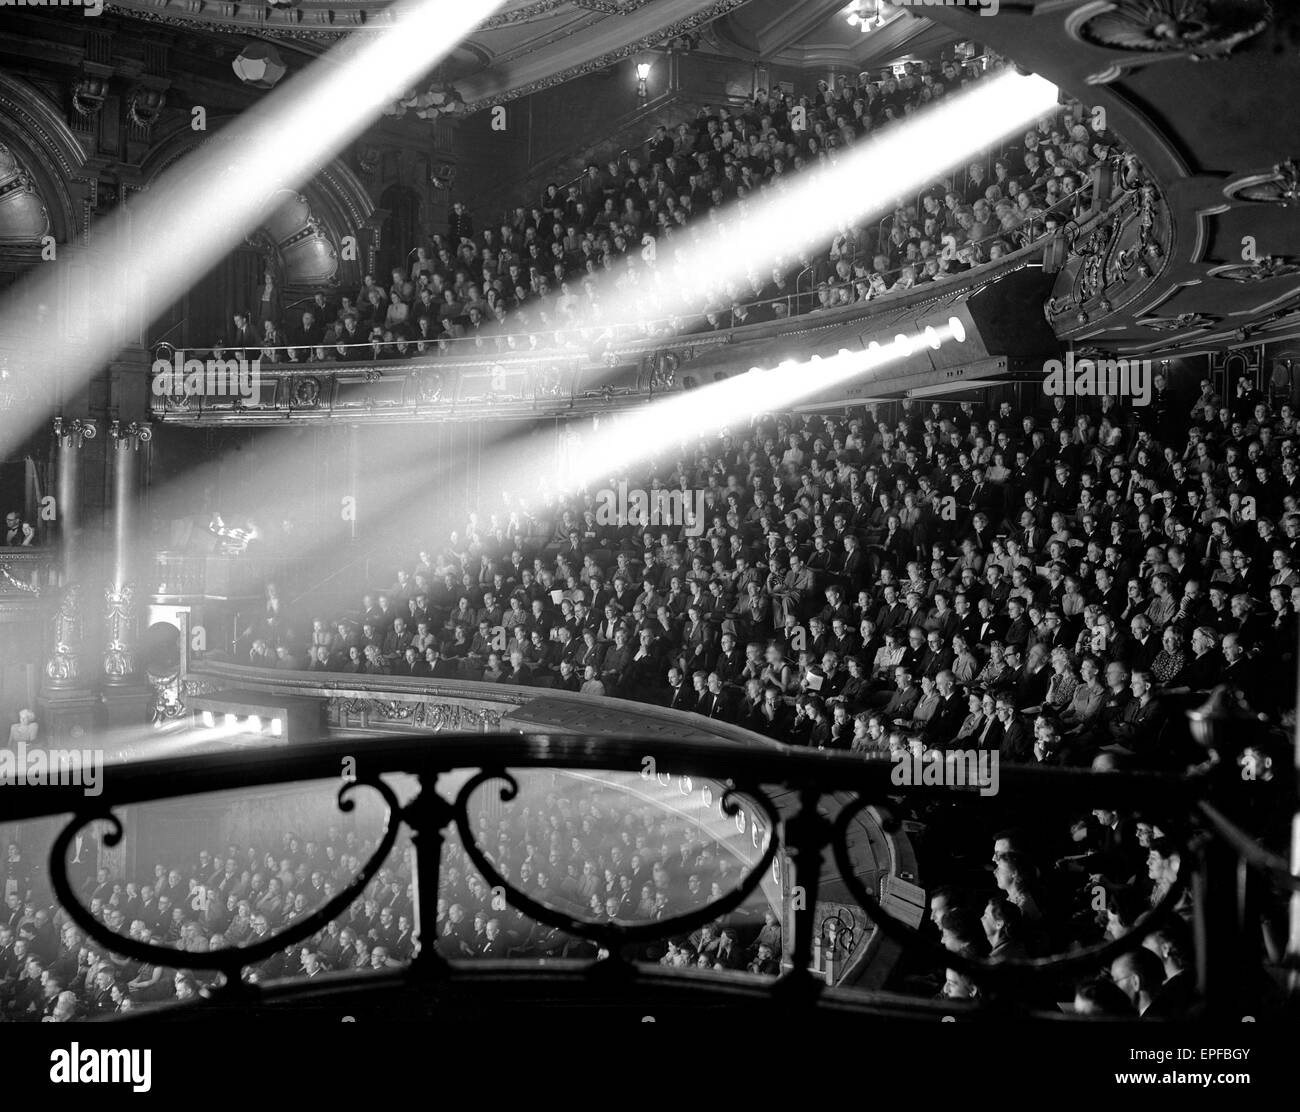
26, 572
498, 373
820, 794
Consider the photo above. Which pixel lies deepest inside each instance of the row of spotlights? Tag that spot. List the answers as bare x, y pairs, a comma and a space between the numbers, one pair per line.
251, 725
903, 345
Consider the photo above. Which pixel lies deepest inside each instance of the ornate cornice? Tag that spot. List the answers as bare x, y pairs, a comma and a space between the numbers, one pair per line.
705, 15
1260, 270
422, 714
1156, 30
1281, 187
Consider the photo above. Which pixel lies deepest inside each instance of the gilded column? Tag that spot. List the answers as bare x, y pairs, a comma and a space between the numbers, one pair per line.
121, 591
63, 665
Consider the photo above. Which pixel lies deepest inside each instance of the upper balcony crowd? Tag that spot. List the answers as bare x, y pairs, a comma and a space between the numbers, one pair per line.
538, 278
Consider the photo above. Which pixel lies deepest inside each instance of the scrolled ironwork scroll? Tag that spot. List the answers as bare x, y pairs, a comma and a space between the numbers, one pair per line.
925, 949
232, 960
613, 936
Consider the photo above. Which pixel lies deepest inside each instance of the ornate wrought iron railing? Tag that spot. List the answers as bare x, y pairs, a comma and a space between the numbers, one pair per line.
1221, 868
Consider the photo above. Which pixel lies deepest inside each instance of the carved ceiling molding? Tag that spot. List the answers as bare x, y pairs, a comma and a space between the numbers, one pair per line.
705, 15
611, 7
1158, 30
328, 24
1260, 270
34, 128
1183, 322
1281, 187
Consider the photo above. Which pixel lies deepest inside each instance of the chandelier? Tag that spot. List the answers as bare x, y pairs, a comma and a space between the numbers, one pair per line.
865, 15
259, 65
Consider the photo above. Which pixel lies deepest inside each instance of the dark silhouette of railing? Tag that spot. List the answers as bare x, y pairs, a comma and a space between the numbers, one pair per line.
1222, 873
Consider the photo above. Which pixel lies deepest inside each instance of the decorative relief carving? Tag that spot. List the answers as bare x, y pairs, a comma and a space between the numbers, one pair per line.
10, 583
306, 392
24, 217
144, 105
1261, 270
705, 15
420, 714
1103, 262
63, 666
1153, 29
170, 693
1281, 187
120, 622
88, 95
1183, 322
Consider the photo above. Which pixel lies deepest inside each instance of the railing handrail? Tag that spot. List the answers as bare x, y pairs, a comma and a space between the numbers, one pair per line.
151, 778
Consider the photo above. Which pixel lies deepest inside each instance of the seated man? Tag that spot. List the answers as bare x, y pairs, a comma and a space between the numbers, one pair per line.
17, 533
1136, 734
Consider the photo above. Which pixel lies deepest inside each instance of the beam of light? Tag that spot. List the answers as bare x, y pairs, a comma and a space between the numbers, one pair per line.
856, 183
201, 209
861, 181
636, 436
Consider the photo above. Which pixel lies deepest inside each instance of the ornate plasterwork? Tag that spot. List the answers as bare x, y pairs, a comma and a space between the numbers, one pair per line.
1281, 187
1104, 261
421, 714
705, 15
24, 217
1260, 270
1152, 30
1183, 322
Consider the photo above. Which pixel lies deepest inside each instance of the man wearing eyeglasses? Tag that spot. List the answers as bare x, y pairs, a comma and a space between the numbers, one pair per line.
1138, 974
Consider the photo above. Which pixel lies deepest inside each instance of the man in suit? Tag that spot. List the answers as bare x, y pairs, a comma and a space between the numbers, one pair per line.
520, 674
1019, 629
1137, 733
715, 703
17, 533
439, 667
410, 664
683, 695
943, 725
1143, 646
246, 342
1033, 678
460, 225
774, 717
1015, 743
1238, 672
730, 663
901, 703
854, 568
992, 625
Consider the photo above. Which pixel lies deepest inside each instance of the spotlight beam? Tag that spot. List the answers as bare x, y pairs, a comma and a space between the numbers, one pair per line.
643, 433
200, 210
856, 184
